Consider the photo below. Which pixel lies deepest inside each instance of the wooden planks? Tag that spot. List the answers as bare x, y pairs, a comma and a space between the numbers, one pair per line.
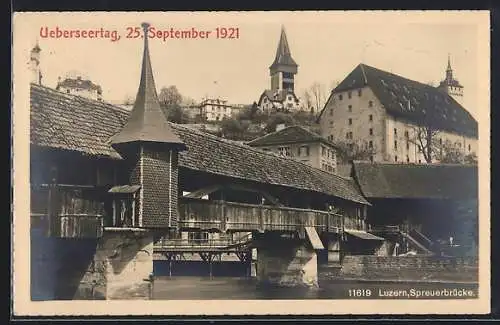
203, 214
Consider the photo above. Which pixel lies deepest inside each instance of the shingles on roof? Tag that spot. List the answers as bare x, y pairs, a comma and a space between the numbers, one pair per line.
410, 181
79, 124
291, 134
412, 100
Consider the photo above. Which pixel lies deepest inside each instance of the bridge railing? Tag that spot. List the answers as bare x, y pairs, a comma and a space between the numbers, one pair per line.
186, 243
201, 214
67, 211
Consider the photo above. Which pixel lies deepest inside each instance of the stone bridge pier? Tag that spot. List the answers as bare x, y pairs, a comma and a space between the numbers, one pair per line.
287, 259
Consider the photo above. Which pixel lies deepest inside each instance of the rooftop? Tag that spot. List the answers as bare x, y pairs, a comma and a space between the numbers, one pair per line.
70, 122
291, 134
416, 181
411, 100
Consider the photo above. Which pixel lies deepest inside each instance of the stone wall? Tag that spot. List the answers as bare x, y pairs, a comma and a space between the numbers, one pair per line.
112, 267
128, 256
287, 265
410, 268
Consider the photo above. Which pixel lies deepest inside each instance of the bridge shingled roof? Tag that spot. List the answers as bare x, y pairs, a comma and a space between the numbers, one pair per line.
416, 181
75, 123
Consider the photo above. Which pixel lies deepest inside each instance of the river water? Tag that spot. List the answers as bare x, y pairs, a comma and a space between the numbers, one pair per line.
239, 288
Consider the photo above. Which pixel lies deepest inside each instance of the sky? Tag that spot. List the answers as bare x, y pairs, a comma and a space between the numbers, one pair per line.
326, 46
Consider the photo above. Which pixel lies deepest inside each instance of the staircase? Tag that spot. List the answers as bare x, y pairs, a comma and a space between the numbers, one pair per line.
419, 240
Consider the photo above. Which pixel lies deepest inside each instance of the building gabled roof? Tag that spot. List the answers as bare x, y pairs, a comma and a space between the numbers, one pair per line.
411, 100
277, 95
283, 54
290, 134
147, 122
83, 125
416, 181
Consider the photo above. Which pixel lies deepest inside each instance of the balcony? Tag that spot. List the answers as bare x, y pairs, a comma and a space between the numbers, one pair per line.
67, 211
197, 214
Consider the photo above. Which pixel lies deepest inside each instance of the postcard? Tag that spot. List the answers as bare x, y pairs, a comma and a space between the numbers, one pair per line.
251, 163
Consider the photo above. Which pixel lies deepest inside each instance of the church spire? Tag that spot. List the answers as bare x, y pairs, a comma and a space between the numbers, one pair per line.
449, 70
147, 122
283, 54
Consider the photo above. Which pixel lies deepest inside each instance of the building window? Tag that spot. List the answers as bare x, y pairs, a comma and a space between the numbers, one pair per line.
347, 135
406, 134
349, 108
284, 151
340, 97
370, 103
350, 121
331, 112
323, 151
360, 92
370, 144
395, 144
407, 145
419, 161
331, 123
370, 118
349, 95
440, 141
304, 151
371, 131
407, 159
371, 158
395, 131
469, 147
396, 158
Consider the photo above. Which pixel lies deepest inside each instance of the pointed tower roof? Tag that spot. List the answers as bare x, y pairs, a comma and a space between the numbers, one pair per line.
147, 122
283, 55
37, 48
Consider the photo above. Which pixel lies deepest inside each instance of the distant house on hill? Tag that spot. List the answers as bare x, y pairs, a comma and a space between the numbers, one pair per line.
301, 144
80, 87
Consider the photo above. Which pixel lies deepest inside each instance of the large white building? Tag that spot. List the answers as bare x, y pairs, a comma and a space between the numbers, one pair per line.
387, 112
215, 109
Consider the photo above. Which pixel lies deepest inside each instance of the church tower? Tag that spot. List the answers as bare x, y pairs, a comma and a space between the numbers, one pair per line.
451, 86
284, 68
34, 65
151, 149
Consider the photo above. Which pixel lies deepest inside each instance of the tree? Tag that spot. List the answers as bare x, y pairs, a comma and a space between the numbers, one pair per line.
425, 138
251, 113
451, 154
358, 150
170, 96
170, 102
278, 118
307, 102
318, 95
